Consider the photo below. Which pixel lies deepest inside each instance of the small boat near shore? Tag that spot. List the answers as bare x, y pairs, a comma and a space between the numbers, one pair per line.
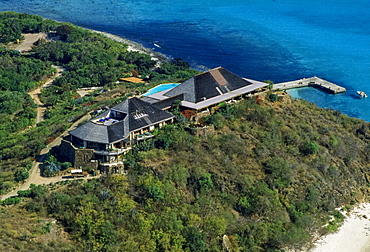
362, 94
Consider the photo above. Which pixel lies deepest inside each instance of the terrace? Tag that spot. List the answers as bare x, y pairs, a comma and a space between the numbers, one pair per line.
112, 152
105, 121
145, 135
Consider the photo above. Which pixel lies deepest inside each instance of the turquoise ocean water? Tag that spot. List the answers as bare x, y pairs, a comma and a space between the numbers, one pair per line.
280, 40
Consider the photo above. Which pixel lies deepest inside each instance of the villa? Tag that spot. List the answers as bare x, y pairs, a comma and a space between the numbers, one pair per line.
100, 143
207, 89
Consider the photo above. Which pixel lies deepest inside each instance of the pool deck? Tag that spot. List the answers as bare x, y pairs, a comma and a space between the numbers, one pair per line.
310, 82
255, 85
160, 88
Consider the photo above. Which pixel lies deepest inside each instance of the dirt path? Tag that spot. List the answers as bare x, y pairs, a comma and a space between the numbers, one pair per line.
35, 172
35, 94
29, 39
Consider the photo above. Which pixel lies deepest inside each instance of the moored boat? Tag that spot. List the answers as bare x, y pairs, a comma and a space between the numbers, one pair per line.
362, 94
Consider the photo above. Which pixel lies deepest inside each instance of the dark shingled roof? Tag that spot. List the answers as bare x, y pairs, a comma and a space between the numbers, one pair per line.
209, 84
140, 114
148, 99
92, 132
137, 107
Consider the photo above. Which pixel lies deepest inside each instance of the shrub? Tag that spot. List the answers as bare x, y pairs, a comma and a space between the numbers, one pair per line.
155, 192
11, 201
52, 166
228, 111
310, 148
271, 84
216, 120
336, 223
279, 172
7, 185
333, 142
165, 138
51, 169
25, 193
104, 194
194, 239
33, 207
21, 175
348, 160
205, 182
46, 228
38, 191
244, 205
272, 97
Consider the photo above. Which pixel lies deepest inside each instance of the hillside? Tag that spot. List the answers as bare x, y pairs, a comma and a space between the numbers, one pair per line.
89, 60
268, 176
259, 175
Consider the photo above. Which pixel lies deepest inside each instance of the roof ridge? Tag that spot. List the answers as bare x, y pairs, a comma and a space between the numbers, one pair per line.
209, 71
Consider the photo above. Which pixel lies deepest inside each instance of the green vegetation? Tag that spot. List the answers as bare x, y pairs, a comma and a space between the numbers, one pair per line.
272, 97
18, 75
268, 175
89, 59
11, 201
12, 25
270, 82
259, 179
335, 222
310, 148
21, 175
21, 230
52, 166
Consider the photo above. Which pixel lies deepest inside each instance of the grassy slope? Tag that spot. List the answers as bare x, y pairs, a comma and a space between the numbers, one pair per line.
24, 231
266, 146
254, 178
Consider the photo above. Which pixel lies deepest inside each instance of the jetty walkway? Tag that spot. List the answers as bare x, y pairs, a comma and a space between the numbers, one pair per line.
310, 82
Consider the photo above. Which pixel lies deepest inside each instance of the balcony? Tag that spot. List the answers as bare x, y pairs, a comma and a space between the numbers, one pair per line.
144, 136
112, 152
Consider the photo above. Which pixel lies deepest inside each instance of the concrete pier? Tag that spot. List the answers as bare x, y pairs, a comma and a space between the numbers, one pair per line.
310, 82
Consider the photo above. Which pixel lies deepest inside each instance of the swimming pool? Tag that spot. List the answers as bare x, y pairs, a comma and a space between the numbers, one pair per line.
160, 88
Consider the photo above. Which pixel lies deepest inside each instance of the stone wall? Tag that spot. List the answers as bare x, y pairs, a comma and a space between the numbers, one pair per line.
67, 151
201, 131
80, 158
84, 159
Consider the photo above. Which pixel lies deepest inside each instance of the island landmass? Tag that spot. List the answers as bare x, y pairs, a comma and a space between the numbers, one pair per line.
265, 172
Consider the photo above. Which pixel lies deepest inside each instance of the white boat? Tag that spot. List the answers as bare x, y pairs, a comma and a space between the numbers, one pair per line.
362, 94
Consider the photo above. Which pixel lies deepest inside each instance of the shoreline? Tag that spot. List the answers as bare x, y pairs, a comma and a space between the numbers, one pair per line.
353, 235
134, 46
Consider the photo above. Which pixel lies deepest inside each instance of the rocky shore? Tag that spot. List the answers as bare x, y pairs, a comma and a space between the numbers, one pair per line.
135, 47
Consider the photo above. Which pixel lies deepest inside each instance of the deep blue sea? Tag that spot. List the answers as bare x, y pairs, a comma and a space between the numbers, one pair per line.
279, 40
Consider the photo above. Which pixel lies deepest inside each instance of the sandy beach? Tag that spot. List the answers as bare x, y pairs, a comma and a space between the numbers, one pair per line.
352, 236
